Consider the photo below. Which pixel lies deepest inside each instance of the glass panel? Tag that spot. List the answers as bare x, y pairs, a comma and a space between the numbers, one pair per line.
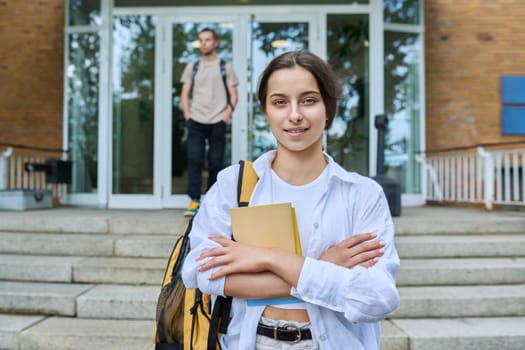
82, 103
402, 11
184, 36
131, 3
268, 41
133, 113
348, 50
84, 12
402, 105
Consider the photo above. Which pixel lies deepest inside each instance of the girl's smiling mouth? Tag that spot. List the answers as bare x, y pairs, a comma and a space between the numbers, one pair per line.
296, 130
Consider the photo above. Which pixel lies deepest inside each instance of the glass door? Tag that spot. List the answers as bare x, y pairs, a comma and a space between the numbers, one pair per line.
133, 181
183, 48
347, 51
270, 36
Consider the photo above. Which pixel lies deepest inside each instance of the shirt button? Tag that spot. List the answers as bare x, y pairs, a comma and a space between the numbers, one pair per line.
322, 338
316, 225
334, 303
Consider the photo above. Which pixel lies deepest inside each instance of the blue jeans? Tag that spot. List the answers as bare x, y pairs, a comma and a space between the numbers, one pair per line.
198, 134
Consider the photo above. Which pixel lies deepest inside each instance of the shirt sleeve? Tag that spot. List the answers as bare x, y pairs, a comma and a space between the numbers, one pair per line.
231, 77
212, 219
186, 74
360, 294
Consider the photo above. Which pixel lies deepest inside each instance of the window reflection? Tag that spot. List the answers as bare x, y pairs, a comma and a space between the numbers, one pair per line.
269, 41
133, 108
82, 101
84, 12
402, 11
348, 54
402, 104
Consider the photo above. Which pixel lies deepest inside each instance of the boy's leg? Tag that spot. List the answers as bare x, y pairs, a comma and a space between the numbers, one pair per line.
217, 142
195, 145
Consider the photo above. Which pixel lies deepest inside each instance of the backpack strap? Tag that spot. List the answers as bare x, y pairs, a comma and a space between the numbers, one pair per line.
225, 83
221, 309
247, 180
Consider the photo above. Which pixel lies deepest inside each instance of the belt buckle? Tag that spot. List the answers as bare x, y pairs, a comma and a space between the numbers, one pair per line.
297, 329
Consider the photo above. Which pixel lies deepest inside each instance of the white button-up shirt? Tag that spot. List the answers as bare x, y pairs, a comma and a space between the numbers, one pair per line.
345, 305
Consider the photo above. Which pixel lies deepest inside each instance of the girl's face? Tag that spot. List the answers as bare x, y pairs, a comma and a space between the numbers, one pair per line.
295, 110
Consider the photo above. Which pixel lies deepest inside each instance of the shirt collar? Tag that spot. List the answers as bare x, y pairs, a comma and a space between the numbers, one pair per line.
262, 166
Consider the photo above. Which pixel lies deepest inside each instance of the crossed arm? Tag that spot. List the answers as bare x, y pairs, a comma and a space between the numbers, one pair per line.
257, 272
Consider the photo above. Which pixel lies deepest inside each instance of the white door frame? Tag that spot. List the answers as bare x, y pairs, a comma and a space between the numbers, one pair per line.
240, 16
165, 84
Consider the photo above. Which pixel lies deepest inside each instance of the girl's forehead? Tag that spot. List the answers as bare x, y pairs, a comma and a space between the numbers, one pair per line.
289, 77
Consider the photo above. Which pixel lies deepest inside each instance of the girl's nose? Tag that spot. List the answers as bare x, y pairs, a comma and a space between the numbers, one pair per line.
296, 115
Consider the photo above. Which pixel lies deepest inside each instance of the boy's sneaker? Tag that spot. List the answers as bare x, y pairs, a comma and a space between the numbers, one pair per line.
192, 209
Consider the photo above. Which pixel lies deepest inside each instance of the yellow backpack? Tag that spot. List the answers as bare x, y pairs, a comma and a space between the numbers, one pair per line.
185, 320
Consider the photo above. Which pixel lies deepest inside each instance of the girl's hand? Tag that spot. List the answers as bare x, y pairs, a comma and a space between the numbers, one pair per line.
360, 249
233, 257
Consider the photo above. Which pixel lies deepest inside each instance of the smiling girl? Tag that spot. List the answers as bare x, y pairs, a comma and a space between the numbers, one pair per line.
344, 284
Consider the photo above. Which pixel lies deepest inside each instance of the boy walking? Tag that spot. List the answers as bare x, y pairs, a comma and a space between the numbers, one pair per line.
212, 84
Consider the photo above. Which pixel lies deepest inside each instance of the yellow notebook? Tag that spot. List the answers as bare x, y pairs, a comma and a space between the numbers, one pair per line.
271, 225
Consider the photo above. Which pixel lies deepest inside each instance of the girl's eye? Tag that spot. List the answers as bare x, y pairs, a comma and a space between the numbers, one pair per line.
278, 102
309, 100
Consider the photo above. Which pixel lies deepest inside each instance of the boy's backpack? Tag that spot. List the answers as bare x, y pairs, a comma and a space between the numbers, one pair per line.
222, 66
184, 318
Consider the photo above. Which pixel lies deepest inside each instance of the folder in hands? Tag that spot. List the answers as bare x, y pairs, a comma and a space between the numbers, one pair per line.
270, 225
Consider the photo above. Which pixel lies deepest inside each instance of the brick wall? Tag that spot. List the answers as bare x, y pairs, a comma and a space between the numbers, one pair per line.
31, 72
469, 46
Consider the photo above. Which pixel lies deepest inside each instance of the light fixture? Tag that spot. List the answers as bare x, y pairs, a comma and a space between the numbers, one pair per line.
280, 44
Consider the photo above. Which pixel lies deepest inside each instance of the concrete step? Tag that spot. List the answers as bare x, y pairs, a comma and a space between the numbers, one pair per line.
138, 302
86, 220
74, 244
160, 246
57, 244
421, 272
413, 221
40, 298
63, 333
120, 270
447, 246
413, 272
431, 220
11, 326
119, 302
113, 270
37, 268
461, 301
494, 333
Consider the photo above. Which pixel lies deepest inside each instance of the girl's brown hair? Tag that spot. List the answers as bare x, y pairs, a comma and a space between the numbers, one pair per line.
323, 73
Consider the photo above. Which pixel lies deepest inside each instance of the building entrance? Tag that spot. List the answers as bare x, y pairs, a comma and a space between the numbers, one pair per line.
148, 144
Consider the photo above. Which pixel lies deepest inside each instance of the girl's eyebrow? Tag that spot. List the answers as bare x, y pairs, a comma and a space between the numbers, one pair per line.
280, 94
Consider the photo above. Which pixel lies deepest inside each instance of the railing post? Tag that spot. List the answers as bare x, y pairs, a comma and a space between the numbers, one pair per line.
488, 184
3, 167
433, 177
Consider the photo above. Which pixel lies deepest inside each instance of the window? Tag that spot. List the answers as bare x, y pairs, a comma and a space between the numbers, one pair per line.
513, 105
